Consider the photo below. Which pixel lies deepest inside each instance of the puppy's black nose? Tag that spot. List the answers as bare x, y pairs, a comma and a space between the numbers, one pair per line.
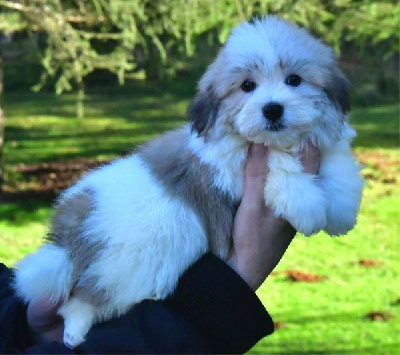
272, 111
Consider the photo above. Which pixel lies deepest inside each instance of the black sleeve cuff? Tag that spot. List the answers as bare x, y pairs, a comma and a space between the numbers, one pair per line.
218, 302
15, 332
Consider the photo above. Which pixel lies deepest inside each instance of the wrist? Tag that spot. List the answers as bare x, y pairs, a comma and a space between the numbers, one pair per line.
249, 274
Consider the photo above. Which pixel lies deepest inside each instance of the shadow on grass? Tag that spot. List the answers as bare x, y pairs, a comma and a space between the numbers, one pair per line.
376, 126
153, 126
135, 94
116, 120
36, 145
26, 207
331, 317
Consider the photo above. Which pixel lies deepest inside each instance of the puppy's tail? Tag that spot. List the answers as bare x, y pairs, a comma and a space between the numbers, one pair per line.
46, 274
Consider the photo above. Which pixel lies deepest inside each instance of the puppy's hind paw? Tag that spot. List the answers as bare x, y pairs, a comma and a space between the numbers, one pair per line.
71, 340
78, 318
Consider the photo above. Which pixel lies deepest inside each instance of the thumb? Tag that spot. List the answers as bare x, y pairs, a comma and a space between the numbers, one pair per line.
255, 173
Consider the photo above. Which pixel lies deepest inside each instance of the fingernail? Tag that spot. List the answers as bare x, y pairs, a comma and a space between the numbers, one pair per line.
257, 150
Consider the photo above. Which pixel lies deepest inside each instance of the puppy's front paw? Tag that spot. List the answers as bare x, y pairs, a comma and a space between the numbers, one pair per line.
309, 221
343, 200
298, 199
334, 228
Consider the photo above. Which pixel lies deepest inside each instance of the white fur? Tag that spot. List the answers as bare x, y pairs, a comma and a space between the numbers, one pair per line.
78, 318
228, 155
294, 194
136, 205
166, 236
149, 237
267, 53
51, 261
340, 180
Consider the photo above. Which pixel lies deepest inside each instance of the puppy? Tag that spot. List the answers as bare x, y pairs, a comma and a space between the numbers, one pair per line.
127, 231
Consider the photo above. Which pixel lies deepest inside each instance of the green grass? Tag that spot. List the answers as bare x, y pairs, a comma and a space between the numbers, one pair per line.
330, 316
324, 317
42, 127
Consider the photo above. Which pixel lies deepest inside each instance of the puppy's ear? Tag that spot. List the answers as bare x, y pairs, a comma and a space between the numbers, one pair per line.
203, 112
338, 90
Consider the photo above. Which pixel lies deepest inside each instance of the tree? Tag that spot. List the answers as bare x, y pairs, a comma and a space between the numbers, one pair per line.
1, 124
374, 28
9, 23
138, 36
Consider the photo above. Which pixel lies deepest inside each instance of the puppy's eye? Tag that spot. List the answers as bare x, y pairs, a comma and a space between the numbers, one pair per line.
248, 86
293, 80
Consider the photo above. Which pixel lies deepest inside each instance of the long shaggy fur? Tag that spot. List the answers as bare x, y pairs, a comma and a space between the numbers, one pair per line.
127, 231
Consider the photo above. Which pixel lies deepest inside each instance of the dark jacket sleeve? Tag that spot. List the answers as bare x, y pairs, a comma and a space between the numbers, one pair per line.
15, 335
212, 311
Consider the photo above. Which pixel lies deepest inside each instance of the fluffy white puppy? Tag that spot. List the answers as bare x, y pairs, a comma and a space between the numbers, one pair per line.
127, 231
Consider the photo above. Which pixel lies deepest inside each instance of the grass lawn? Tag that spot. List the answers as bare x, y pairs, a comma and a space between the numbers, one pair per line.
353, 308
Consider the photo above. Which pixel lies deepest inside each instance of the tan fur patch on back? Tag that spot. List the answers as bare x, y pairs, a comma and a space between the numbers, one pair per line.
69, 215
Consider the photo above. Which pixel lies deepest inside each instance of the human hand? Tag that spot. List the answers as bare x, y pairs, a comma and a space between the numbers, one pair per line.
46, 324
259, 238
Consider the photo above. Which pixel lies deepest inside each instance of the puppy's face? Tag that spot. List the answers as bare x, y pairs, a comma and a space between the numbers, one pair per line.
272, 83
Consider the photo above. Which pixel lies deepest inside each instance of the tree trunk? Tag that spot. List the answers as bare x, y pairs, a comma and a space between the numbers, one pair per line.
2, 173
80, 102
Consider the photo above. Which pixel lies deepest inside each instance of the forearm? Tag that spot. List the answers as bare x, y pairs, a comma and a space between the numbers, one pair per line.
212, 311
14, 329
214, 299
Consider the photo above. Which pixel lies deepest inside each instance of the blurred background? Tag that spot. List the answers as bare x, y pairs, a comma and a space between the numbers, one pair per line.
84, 81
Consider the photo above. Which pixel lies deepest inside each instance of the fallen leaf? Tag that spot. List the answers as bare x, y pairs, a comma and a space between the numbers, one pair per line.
300, 276
369, 262
376, 316
279, 325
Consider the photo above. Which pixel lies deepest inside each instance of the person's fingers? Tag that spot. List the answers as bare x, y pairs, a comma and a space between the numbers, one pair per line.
42, 314
255, 173
256, 163
310, 158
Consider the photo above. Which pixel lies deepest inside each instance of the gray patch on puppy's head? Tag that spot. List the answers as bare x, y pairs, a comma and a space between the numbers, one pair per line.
203, 111
337, 89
